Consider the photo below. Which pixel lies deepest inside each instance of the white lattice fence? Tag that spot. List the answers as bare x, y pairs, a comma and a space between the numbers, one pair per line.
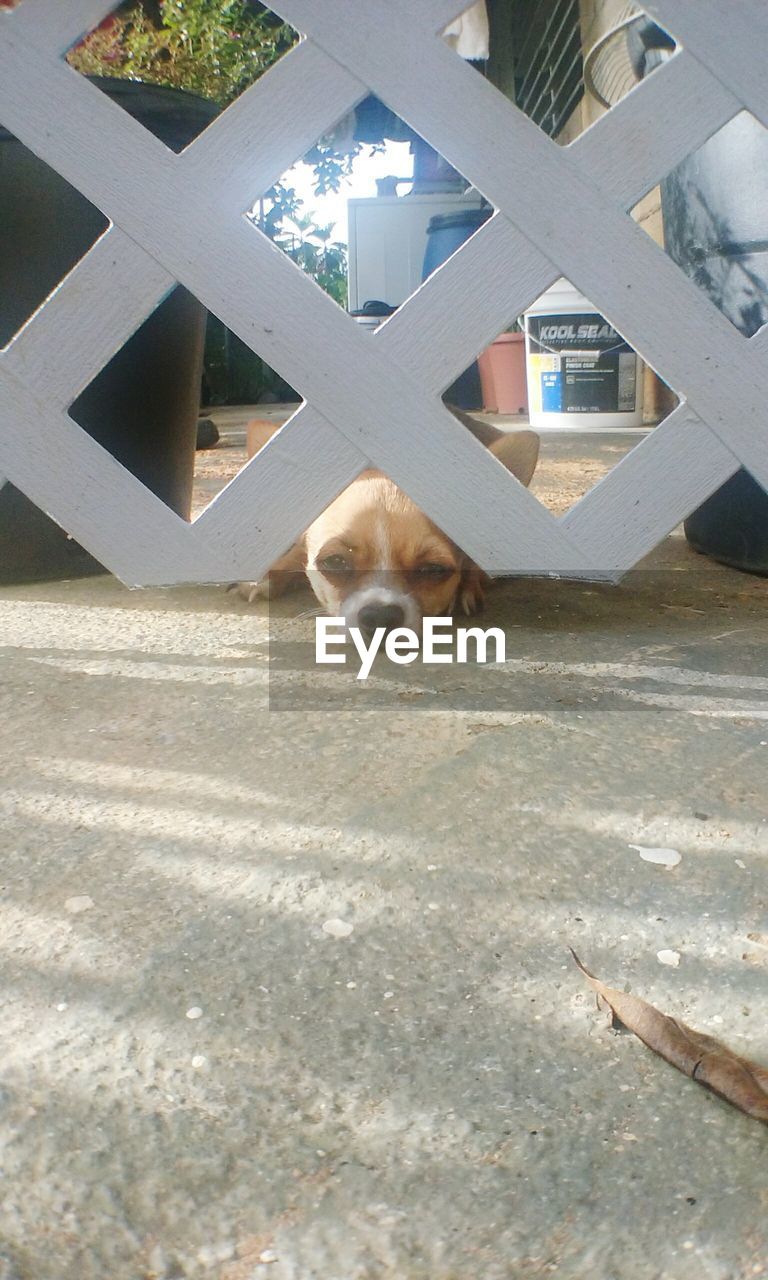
375, 398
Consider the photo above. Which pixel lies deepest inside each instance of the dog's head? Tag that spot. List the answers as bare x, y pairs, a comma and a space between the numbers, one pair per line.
376, 560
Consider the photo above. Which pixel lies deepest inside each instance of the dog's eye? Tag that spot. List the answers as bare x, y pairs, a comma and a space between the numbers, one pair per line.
434, 571
334, 564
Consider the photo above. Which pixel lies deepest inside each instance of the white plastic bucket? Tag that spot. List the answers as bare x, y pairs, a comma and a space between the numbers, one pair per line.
580, 371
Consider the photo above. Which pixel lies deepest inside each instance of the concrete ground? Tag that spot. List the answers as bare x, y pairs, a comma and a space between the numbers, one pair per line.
285, 974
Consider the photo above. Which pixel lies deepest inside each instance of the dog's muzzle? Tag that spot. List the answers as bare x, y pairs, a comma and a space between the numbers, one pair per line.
375, 615
376, 604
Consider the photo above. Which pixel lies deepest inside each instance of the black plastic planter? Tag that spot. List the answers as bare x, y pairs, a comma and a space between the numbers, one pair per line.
143, 406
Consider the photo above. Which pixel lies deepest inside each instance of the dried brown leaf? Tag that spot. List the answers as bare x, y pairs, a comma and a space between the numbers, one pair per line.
703, 1058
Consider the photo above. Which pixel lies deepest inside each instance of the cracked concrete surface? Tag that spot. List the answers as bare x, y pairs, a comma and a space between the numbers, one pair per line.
200, 1080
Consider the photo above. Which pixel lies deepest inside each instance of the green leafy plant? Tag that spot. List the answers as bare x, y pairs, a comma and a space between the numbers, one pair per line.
310, 246
216, 48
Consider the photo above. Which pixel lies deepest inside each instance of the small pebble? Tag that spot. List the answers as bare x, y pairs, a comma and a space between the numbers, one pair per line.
351, 986
662, 857
194, 1012
156, 1259
61, 1007
199, 1060
740, 864
80, 903
433, 906
336, 928
210, 1254
669, 957
267, 1255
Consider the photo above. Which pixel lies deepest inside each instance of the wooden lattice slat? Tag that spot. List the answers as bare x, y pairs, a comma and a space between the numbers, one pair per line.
374, 398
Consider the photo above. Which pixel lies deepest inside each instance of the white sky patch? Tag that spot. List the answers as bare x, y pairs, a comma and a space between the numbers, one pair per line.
396, 160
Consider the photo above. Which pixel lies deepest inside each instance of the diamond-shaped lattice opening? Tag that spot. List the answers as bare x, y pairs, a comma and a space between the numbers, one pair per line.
370, 212
174, 403
47, 227
562, 63
150, 408
563, 370
143, 406
175, 71
710, 216
243, 402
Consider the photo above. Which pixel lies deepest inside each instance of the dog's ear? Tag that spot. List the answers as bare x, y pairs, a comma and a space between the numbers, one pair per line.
258, 432
518, 451
470, 597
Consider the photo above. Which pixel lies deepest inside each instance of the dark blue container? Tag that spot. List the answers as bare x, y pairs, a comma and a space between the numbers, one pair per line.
445, 233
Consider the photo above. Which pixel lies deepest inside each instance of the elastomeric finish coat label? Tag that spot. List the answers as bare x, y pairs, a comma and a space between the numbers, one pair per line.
580, 364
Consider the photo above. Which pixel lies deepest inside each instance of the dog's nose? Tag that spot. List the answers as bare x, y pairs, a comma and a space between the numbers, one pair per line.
387, 616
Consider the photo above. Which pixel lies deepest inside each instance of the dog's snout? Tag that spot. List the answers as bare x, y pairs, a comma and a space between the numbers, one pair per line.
387, 616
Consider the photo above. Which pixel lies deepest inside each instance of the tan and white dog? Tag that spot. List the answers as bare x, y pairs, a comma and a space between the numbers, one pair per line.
375, 559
